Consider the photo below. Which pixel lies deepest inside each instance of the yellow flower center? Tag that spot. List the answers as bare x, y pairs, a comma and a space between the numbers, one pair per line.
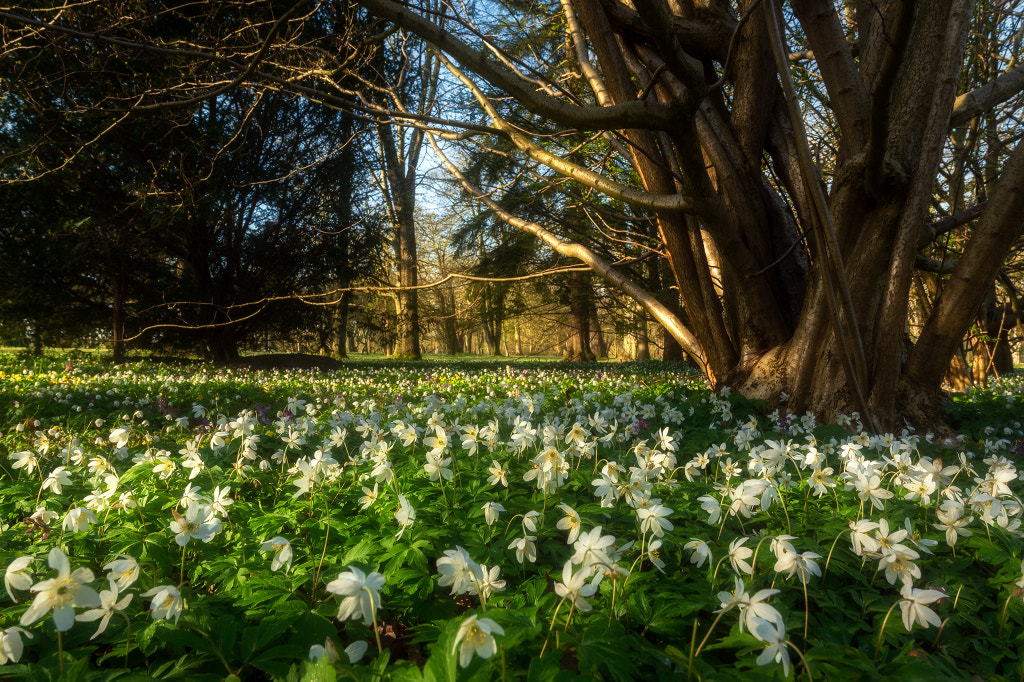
64, 591
475, 636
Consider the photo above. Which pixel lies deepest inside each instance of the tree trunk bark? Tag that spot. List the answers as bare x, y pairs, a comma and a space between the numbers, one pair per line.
597, 341
580, 295
643, 344
959, 374
222, 343
408, 277
340, 327
117, 305
400, 186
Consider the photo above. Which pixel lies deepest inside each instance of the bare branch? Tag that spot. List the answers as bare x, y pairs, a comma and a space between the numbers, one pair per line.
673, 203
940, 227
637, 114
983, 98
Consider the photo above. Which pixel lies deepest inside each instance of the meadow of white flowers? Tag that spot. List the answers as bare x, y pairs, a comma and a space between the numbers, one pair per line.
484, 520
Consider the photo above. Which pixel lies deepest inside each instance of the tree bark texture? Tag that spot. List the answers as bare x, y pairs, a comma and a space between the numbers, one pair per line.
400, 173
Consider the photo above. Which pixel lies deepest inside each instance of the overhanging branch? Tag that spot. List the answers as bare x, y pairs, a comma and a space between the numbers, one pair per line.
669, 203
983, 98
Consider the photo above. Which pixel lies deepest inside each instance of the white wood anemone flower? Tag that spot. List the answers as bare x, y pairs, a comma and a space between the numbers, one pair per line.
11, 645
360, 592
109, 605
476, 636
62, 594
167, 602
282, 550
914, 607
16, 577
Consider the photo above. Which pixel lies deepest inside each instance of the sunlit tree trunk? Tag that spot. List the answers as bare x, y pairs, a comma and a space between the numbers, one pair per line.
401, 195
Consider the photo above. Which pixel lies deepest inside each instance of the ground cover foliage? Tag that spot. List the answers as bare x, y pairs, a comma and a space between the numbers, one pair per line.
479, 521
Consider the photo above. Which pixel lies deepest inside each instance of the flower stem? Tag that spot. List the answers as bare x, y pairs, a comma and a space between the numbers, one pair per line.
60, 651
810, 678
829, 558
704, 641
551, 627
127, 637
753, 560
1002, 618
316, 576
572, 608
881, 630
693, 643
612, 611
373, 615
807, 606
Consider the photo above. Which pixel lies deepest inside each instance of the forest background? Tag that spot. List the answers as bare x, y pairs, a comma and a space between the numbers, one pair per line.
817, 199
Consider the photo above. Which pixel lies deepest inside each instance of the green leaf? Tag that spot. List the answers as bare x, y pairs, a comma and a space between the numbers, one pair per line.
548, 668
600, 653
362, 551
320, 670
226, 634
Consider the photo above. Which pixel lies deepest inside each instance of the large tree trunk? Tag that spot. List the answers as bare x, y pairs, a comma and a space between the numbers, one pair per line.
450, 342
597, 340
734, 188
117, 305
492, 314
579, 298
672, 350
959, 376
408, 297
400, 173
117, 268
222, 343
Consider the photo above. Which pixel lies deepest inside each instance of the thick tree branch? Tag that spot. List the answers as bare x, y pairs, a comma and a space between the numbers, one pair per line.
687, 69
704, 37
925, 264
998, 228
580, 44
672, 203
894, 310
839, 71
935, 230
881, 97
833, 271
636, 114
983, 98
